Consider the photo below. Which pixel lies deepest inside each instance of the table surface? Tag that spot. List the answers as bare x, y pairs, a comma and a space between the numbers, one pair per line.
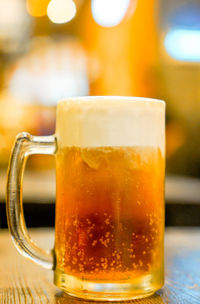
21, 281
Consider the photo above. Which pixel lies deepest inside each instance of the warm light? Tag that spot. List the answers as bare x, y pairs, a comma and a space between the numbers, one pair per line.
51, 72
109, 13
15, 25
183, 44
61, 11
37, 8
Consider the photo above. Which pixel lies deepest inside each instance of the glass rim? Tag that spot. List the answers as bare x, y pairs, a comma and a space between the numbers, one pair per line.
76, 99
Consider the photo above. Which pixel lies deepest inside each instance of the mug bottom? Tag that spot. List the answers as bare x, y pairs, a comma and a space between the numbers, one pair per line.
100, 291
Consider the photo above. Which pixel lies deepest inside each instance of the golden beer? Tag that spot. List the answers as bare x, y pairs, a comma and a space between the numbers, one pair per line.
109, 226
110, 214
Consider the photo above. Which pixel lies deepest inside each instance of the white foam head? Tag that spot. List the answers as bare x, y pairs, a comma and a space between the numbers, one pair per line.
110, 121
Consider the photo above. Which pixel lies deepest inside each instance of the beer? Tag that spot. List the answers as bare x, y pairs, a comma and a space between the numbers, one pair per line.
110, 213
109, 197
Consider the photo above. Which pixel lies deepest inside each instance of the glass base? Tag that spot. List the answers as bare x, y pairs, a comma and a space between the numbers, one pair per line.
100, 291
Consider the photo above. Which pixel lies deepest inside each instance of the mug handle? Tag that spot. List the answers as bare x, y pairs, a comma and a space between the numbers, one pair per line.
25, 145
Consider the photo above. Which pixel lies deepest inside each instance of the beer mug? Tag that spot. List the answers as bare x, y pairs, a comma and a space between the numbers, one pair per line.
109, 227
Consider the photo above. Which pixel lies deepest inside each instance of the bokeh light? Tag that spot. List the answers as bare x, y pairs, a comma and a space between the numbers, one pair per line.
61, 11
51, 71
109, 13
37, 8
15, 26
183, 44
182, 41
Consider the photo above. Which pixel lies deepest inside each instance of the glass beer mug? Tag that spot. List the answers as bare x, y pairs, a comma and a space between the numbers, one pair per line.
110, 168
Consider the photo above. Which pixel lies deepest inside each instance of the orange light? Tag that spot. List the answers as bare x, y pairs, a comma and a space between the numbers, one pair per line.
175, 138
37, 8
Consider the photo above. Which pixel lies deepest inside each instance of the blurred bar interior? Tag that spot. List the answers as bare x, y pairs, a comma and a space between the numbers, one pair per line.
54, 49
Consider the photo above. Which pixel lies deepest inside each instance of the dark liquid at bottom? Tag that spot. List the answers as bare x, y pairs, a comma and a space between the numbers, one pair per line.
99, 247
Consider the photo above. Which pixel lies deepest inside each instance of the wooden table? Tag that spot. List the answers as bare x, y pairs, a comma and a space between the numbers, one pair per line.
21, 281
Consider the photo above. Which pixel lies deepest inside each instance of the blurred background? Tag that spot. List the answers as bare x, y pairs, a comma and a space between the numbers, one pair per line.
52, 49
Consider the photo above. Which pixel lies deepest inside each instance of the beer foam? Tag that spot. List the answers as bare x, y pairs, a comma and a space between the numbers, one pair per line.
110, 121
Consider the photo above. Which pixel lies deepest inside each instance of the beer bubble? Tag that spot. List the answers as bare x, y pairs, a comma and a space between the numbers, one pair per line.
94, 243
